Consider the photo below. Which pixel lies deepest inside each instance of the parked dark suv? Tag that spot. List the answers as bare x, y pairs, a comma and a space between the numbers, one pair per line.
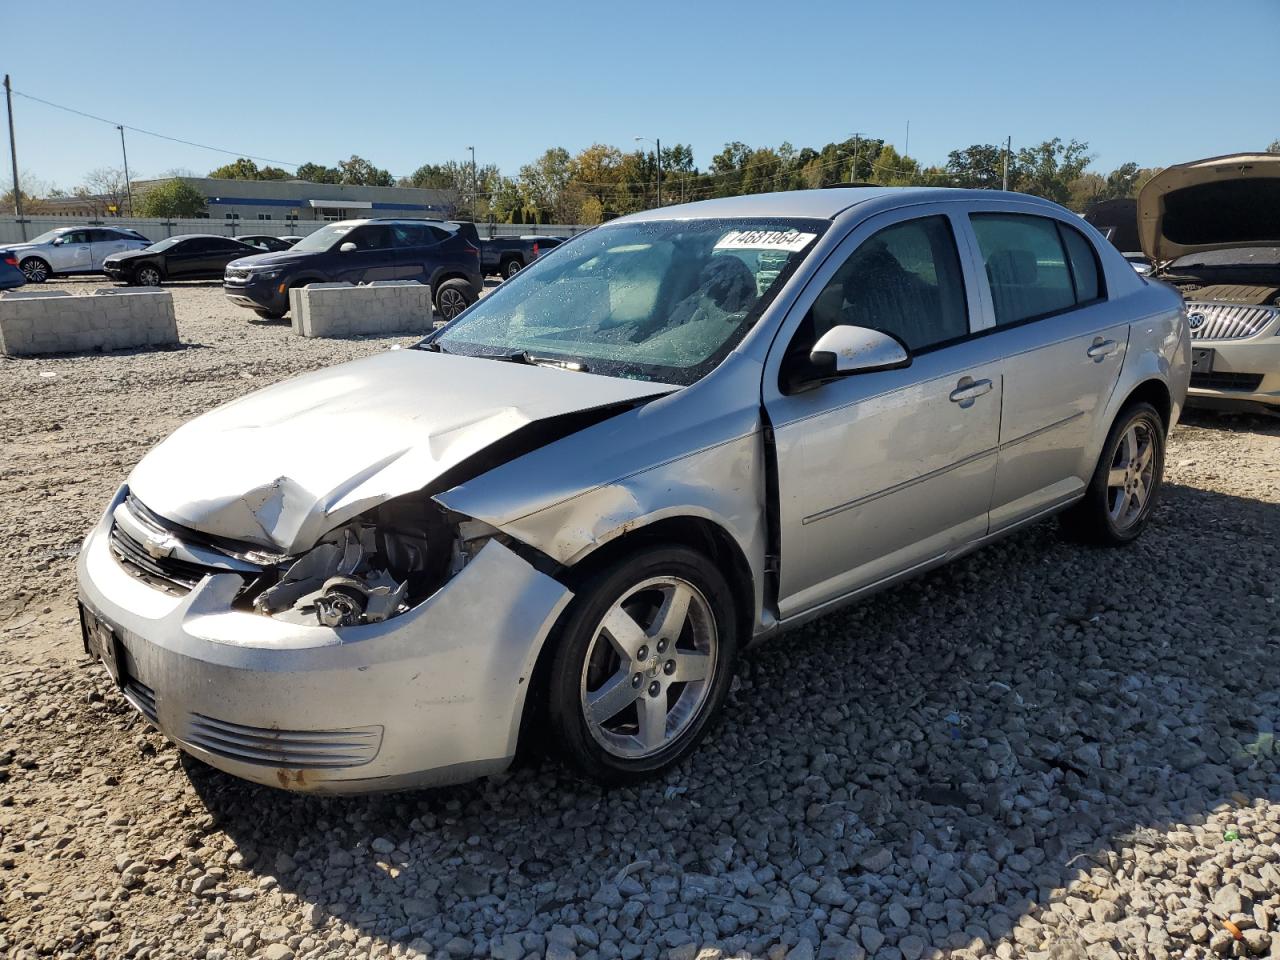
360, 251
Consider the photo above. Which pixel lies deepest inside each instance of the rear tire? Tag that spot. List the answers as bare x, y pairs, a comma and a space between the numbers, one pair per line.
1126, 482
511, 267
452, 297
35, 270
643, 662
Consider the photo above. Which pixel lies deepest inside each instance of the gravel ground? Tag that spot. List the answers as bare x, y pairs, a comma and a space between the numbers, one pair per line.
1040, 751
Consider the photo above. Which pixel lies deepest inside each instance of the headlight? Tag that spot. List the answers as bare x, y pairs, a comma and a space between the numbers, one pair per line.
265, 275
368, 570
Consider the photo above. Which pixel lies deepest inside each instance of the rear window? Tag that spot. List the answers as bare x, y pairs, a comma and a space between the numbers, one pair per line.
1031, 272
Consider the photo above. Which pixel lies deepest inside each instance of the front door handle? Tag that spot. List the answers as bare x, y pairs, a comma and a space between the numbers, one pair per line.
1101, 349
969, 390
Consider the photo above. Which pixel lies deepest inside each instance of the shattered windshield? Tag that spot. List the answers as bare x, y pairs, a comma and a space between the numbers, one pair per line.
658, 300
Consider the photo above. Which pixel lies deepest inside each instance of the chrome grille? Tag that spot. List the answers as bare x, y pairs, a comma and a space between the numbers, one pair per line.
1229, 321
300, 749
172, 576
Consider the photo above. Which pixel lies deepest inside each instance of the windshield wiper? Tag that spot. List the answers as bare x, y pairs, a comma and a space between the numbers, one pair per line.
525, 357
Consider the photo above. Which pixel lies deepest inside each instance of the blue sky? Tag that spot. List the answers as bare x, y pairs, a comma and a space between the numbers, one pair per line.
402, 83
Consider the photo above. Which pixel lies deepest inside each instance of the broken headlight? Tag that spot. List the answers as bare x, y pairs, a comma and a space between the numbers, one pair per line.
365, 571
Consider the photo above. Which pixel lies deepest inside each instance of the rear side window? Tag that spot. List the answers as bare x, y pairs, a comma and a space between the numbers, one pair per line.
1026, 266
1084, 265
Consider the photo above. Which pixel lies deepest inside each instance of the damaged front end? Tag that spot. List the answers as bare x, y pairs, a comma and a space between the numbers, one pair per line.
368, 570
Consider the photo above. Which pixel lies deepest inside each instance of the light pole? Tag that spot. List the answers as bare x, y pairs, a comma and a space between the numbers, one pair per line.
1008, 145
474, 188
658, 146
128, 187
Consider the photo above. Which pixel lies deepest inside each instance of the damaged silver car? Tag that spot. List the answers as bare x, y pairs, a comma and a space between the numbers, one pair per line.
568, 511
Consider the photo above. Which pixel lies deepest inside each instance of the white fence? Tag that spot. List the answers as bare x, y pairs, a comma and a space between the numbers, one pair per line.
11, 230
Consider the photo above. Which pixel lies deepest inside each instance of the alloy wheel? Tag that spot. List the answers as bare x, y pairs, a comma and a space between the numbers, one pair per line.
452, 303
36, 271
1130, 479
149, 277
513, 267
649, 667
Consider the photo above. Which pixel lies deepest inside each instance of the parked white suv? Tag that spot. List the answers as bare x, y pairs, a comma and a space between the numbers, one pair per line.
74, 250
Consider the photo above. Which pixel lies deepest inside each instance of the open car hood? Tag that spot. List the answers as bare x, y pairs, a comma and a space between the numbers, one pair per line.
1213, 204
280, 467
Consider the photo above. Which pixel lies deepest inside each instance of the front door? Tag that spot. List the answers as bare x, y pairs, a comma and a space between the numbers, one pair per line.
1065, 345
882, 472
372, 259
72, 252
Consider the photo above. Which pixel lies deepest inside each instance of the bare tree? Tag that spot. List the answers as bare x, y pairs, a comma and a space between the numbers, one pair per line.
109, 184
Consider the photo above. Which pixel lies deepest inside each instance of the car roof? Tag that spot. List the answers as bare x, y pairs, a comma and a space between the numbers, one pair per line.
825, 204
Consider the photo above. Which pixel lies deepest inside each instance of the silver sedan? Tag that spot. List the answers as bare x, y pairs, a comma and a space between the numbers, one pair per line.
671, 438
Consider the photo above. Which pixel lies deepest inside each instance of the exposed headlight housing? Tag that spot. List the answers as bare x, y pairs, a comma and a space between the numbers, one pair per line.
368, 570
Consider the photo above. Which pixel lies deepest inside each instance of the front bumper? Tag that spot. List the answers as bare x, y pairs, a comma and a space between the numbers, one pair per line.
1246, 373
258, 294
433, 696
115, 271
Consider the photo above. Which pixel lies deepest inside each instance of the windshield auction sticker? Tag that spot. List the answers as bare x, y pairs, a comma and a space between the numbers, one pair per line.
789, 240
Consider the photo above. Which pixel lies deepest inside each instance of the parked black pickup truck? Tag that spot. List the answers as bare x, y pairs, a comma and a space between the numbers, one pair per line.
503, 256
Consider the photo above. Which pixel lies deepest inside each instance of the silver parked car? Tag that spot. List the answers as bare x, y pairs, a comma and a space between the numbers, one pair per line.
671, 438
72, 250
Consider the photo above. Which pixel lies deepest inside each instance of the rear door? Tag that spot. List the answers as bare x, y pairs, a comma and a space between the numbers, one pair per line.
1065, 345
882, 472
220, 252
413, 250
104, 243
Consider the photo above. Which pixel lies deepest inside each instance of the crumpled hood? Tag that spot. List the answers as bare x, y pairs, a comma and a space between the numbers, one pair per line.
1215, 204
282, 466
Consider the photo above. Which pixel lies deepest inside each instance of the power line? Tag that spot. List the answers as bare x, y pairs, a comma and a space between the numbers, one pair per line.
152, 133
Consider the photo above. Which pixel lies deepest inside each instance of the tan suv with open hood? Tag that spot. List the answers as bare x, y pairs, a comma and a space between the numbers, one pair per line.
1212, 227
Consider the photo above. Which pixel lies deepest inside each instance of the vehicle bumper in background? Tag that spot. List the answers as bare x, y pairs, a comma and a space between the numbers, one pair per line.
116, 273
258, 295
430, 697
1245, 374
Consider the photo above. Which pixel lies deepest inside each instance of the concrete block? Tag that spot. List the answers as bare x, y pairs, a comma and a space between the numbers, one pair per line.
56, 322
341, 310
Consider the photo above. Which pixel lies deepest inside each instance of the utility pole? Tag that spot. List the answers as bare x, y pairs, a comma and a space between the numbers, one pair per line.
13, 155
128, 187
474, 188
1008, 143
659, 154
906, 147
853, 176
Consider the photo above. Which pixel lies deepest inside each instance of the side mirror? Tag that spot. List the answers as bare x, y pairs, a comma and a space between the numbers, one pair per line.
347, 247
58, 241
846, 349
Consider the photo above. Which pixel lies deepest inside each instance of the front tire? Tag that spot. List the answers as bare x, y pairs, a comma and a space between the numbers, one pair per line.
271, 314
1122, 493
147, 275
643, 663
35, 270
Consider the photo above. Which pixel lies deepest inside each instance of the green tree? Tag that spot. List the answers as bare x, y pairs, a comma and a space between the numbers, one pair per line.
980, 167
894, 169
542, 185
242, 169
1048, 169
1274, 147
172, 198
360, 172
431, 176
318, 173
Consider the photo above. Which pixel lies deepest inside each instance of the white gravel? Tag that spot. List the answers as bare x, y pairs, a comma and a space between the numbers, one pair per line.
1041, 751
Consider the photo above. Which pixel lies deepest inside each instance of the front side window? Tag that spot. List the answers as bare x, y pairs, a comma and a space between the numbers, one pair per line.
654, 300
1026, 266
372, 237
905, 280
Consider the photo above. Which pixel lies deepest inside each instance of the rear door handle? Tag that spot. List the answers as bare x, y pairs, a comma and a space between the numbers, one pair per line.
969, 390
1102, 349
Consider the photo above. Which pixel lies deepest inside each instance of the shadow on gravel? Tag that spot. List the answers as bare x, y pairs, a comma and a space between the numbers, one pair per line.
927, 770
